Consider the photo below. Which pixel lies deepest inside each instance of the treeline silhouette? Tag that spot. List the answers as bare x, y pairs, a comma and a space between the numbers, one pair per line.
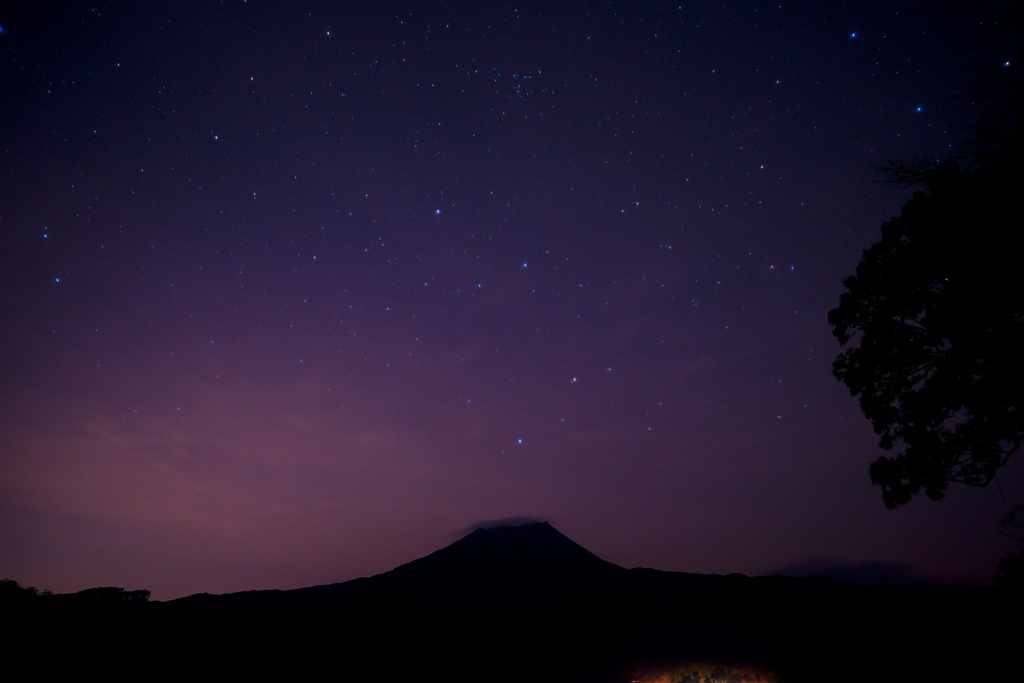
523, 603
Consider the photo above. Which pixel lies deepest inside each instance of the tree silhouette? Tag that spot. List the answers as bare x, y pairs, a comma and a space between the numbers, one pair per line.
933, 318
1011, 567
13, 592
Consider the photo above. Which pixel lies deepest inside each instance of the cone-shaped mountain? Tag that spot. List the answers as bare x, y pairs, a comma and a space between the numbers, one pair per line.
497, 557
527, 551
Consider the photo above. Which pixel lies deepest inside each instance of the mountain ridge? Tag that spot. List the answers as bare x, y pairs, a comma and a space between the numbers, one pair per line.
524, 602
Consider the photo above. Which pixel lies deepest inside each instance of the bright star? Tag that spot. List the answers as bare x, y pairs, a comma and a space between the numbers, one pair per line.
437, 212
853, 35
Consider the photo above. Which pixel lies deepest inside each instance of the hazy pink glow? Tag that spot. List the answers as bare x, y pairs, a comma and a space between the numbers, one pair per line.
261, 486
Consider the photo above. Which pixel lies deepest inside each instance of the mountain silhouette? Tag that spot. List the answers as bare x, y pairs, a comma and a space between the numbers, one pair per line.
528, 550
502, 558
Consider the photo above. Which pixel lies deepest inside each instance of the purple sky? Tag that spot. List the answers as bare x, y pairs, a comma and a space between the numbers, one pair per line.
293, 293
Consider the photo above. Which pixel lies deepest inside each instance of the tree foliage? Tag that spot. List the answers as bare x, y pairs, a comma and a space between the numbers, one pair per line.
933, 319
1011, 567
11, 592
112, 594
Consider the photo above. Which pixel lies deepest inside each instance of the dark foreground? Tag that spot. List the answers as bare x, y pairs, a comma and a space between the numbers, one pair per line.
525, 604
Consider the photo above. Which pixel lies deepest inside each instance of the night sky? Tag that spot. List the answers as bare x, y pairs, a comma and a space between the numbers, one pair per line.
294, 293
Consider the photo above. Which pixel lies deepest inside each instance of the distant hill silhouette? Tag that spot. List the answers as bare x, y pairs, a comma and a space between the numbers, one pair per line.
860, 573
525, 603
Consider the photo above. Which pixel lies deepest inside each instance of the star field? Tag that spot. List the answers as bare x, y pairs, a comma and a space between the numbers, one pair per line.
293, 292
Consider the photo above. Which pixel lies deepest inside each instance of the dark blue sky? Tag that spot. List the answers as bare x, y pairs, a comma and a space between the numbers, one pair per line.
292, 292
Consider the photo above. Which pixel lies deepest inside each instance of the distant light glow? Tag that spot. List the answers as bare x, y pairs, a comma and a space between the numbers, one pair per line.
705, 671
